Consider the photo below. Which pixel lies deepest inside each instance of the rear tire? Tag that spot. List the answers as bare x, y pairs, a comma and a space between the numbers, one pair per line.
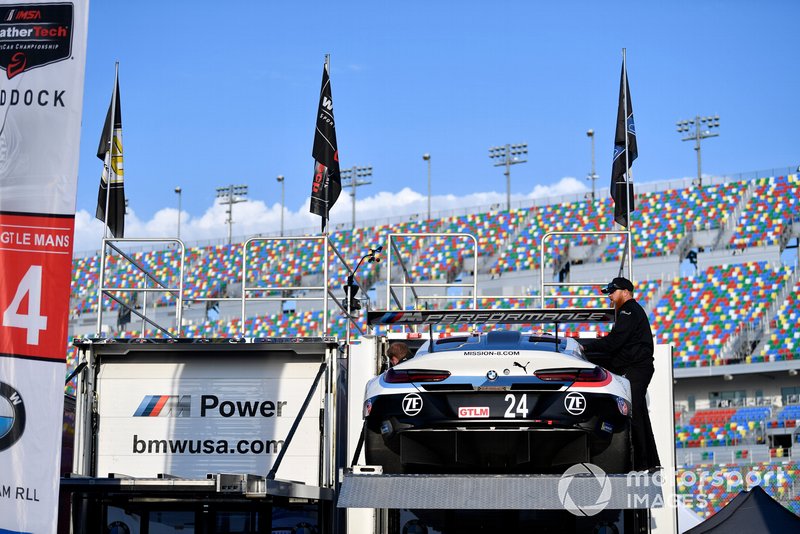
617, 457
378, 453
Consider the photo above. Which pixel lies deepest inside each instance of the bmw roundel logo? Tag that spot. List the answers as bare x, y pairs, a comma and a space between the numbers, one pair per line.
12, 416
492, 375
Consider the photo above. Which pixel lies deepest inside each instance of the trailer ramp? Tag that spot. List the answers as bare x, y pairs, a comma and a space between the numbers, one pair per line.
502, 492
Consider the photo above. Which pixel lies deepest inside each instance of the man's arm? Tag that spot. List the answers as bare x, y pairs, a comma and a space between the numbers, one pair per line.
616, 339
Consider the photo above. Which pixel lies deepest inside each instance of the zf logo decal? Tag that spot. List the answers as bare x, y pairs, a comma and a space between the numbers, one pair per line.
575, 403
12, 416
412, 404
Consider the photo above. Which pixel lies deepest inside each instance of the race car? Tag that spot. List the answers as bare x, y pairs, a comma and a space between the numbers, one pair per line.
497, 402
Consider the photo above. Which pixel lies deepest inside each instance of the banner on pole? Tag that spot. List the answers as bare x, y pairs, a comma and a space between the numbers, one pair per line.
42, 61
112, 180
327, 184
626, 151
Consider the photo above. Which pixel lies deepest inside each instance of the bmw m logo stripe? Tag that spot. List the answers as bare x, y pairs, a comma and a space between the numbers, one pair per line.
151, 405
391, 317
165, 406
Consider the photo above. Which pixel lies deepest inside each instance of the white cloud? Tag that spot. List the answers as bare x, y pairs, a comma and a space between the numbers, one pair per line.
256, 217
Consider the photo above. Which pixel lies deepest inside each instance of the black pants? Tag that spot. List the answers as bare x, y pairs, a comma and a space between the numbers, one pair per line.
645, 454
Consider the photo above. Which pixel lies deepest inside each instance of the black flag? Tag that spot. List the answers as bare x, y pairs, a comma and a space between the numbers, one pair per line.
112, 178
621, 188
327, 182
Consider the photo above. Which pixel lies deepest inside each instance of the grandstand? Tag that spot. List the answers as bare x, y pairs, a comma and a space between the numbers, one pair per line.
731, 315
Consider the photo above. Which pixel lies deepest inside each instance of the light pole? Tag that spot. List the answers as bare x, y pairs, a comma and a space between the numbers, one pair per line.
427, 157
354, 174
283, 197
702, 130
593, 176
230, 195
179, 191
508, 155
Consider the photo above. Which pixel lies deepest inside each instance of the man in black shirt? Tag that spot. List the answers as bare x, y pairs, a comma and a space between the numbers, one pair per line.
629, 347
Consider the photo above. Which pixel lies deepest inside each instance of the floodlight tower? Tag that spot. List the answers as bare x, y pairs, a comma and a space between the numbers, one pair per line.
593, 176
507, 156
696, 130
427, 157
179, 192
283, 197
354, 175
230, 195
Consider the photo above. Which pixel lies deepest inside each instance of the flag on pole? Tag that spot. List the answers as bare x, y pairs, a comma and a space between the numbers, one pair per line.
111, 195
625, 152
327, 182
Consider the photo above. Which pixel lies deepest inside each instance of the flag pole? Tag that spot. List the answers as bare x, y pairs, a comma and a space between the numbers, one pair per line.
328, 188
628, 178
110, 152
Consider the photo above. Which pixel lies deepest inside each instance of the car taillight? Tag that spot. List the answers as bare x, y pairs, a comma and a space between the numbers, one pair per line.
597, 374
397, 376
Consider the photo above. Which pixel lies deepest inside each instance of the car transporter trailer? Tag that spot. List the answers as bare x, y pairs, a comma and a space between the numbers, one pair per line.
262, 434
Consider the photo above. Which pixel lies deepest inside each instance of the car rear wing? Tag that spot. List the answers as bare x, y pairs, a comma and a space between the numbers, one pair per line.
519, 316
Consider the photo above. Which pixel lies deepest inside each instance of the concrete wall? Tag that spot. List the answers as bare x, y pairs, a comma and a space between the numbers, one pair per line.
728, 256
769, 384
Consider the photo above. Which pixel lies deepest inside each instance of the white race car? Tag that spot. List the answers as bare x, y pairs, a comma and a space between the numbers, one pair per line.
498, 402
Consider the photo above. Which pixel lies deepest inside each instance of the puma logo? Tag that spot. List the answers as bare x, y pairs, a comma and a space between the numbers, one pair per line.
523, 367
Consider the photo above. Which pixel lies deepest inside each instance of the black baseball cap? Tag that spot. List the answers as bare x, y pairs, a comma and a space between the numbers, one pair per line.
617, 283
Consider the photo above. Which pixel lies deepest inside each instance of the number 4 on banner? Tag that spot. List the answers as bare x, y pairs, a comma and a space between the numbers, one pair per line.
31, 284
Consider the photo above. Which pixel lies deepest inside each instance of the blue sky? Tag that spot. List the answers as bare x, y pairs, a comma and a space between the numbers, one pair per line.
215, 93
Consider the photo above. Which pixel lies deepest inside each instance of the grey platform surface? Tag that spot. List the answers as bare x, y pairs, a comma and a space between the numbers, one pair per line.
220, 484
501, 492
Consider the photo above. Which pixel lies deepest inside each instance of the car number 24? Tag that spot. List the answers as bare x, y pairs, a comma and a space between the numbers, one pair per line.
517, 406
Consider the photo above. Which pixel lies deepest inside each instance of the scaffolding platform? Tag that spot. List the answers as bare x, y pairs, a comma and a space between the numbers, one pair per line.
636, 490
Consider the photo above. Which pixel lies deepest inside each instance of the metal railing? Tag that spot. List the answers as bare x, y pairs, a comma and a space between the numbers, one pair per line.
326, 294
322, 240
400, 300
106, 291
543, 296
249, 293
408, 282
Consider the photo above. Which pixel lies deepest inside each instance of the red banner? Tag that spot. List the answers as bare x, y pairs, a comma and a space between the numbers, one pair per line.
36, 255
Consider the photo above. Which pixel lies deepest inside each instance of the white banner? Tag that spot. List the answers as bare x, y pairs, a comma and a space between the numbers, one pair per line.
42, 60
190, 418
43, 54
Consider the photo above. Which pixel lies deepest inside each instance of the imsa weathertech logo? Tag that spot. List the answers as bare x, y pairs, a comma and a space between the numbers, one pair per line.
33, 35
165, 406
12, 416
